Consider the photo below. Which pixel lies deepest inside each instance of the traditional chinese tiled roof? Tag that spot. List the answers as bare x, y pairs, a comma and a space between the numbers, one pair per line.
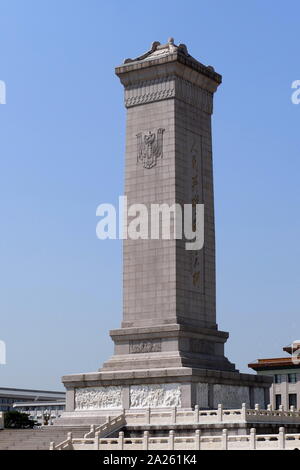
274, 363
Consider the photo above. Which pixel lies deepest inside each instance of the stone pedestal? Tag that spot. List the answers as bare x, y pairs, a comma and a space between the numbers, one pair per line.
168, 351
93, 396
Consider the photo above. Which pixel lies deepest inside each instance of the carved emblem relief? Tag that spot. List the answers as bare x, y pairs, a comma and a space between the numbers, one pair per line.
146, 346
150, 147
155, 396
98, 398
149, 91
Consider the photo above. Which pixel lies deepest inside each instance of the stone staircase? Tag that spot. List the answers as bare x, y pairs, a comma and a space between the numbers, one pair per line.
109, 427
37, 439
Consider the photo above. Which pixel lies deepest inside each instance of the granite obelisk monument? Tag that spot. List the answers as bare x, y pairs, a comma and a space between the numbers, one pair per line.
169, 350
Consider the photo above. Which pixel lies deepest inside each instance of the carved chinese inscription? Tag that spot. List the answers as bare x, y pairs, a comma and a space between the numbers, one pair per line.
146, 346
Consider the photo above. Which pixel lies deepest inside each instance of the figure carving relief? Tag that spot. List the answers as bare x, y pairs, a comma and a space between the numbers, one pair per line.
98, 398
155, 396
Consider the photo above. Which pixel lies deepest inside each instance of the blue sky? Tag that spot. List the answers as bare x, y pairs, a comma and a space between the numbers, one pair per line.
62, 154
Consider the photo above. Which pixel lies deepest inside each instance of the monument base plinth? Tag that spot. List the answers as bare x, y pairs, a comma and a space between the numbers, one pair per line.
168, 346
95, 395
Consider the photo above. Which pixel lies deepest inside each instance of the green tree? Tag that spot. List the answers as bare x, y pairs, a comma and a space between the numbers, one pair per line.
17, 420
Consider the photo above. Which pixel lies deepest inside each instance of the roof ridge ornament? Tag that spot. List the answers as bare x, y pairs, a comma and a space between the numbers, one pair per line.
158, 49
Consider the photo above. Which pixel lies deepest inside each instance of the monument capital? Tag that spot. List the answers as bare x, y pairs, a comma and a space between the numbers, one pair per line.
164, 61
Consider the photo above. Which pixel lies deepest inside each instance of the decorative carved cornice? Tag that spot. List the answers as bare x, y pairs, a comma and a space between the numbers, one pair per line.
161, 58
150, 97
173, 87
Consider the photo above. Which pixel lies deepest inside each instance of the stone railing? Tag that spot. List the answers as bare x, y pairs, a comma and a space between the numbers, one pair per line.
225, 441
280, 416
196, 416
177, 416
38, 416
112, 424
65, 445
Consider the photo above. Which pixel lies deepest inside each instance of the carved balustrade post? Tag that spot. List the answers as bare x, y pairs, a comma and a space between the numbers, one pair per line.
224, 439
96, 441
121, 440
197, 439
171, 440
244, 414
252, 439
146, 440
196, 414
281, 441
220, 413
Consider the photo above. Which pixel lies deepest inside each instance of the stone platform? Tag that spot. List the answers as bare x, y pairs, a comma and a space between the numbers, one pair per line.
178, 429
94, 395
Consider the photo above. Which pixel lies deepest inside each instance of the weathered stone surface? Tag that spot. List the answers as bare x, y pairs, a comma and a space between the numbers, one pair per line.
231, 396
259, 398
202, 398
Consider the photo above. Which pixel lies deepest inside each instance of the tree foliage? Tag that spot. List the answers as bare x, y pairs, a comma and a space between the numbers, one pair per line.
17, 420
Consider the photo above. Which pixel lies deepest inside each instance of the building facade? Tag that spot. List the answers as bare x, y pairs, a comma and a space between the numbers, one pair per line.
43, 412
37, 403
285, 389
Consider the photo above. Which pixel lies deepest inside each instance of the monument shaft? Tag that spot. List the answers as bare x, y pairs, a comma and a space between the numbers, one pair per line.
163, 282
168, 289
